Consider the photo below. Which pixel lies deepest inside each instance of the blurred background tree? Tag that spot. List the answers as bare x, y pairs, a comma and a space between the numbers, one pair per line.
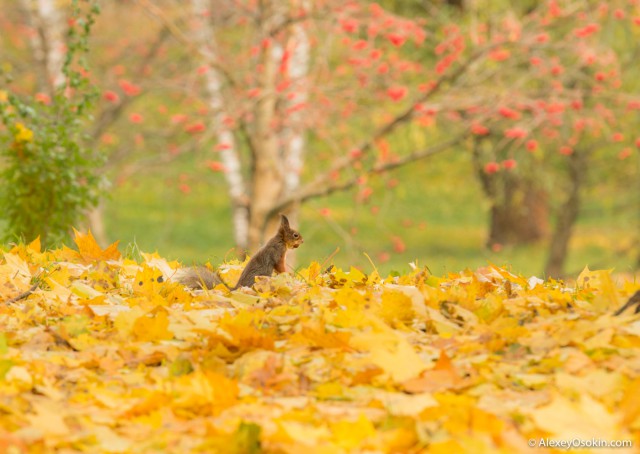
49, 175
455, 132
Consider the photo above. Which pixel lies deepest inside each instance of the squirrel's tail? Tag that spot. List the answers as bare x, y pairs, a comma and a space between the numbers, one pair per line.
199, 277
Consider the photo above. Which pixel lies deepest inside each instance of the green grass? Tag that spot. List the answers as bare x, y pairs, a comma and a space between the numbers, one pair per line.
438, 210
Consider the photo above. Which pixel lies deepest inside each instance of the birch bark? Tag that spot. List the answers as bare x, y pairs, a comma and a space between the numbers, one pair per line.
293, 135
205, 40
48, 42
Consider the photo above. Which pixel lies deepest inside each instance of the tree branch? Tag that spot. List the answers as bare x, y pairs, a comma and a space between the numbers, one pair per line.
389, 127
185, 41
323, 186
109, 116
322, 191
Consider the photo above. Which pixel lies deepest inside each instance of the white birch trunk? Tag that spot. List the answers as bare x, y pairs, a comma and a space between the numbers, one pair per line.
294, 134
48, 42
205, 40
267, 179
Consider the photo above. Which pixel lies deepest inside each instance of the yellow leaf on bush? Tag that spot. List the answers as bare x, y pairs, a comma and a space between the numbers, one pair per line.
24, 134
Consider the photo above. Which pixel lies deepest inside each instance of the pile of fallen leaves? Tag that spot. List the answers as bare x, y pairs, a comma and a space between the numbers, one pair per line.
107, 354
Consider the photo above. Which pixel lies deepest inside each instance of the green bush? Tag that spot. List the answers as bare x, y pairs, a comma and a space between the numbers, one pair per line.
49, 175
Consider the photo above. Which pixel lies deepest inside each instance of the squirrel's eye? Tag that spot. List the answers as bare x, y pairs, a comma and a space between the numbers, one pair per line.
296, 235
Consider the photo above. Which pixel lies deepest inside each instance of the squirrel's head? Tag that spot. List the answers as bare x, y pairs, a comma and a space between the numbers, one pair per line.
292, 238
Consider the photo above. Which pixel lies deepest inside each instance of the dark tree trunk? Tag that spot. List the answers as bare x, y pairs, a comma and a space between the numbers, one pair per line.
456, 3
519, 206
520, 215
567, 216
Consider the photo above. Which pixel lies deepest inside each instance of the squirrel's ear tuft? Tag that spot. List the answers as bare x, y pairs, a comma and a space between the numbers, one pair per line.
284, 222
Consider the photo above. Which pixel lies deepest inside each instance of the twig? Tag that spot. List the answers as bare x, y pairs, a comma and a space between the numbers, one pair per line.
333, 254
23, 295
175, 31
372, 264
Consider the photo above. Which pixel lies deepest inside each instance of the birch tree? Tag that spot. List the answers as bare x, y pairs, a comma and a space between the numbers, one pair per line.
281, 72
205, 39
46, 41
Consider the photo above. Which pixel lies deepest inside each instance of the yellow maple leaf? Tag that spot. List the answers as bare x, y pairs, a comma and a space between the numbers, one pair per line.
148, 281
308, 435
630, 405
351, 278
125, 320
31, 252
35, 245
146, 405
245, 331
329, 390
389, 351
49, 420
351, 311
109, 440
90, 251
351, 434
205, 393
396, 307
398, 439
586, 418
601, 282
317, 335
310, 273
152, 327
489, 308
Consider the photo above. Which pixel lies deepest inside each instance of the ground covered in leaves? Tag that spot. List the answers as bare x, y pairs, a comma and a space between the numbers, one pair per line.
107, 354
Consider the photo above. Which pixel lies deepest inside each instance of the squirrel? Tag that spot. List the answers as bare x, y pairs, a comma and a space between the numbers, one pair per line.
272, 256
634, 300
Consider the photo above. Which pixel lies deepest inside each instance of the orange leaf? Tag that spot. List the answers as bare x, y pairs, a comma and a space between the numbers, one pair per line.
442, 376
35, 245
630, 404
148, 281
152, 327
90, 250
